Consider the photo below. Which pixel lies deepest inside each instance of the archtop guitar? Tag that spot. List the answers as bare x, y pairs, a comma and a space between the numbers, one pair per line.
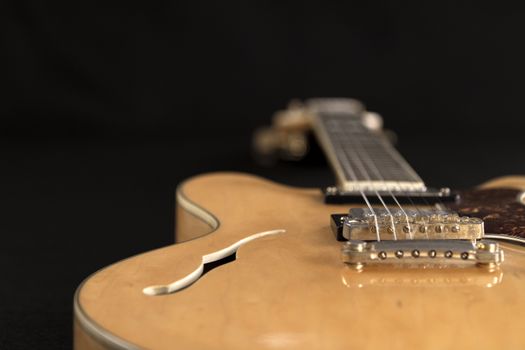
378, 261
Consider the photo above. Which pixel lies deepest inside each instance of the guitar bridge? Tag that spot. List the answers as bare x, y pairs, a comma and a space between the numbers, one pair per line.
413, 237
434, 252
383, 224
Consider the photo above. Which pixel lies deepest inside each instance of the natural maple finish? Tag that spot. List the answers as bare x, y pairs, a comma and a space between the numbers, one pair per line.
85, 340
291, 290
189, 226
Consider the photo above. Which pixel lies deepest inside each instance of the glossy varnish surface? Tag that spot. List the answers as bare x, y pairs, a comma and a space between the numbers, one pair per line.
292, 291
501, 209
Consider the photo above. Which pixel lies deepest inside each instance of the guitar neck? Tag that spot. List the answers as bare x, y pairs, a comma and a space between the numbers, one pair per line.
362, 159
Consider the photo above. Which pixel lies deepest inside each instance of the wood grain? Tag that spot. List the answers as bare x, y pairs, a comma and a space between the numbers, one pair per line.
292, 291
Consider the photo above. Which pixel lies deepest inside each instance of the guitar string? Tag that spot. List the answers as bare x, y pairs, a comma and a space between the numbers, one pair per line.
363, 171
427, 204
418, 211
371, 163
428, 222
347, 166
409, 197
413, 175
400, 161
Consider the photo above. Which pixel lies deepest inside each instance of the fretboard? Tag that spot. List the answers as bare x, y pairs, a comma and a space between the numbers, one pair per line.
362, 159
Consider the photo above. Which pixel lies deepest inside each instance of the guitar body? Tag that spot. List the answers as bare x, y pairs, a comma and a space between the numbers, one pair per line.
291, 290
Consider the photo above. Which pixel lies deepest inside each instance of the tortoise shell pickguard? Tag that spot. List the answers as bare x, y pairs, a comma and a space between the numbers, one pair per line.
499, 208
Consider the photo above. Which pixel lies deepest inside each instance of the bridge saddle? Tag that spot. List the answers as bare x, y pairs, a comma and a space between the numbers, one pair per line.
383, 224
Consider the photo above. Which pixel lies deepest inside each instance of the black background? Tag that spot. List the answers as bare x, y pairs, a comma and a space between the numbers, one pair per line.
105, 109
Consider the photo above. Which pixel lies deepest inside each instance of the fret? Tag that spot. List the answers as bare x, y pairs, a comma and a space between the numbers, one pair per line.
362, 159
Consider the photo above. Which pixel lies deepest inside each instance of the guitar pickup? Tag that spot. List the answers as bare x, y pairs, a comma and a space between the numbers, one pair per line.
422, 252
430, 196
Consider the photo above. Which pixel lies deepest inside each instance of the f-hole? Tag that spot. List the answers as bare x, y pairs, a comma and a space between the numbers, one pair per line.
209, 262
214, 264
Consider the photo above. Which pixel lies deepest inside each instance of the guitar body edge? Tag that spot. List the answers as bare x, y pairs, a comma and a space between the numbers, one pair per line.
191, 222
